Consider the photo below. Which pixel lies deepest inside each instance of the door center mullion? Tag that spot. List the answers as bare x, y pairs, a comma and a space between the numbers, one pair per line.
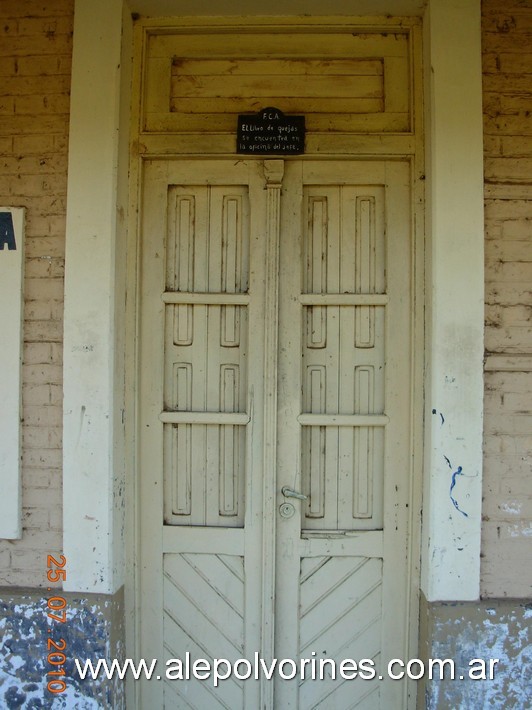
273, 174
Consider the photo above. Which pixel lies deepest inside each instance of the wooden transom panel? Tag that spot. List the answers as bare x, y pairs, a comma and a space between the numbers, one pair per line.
341, 81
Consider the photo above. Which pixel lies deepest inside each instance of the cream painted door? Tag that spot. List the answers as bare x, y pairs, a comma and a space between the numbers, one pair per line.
274, 332
344, 372
202, 295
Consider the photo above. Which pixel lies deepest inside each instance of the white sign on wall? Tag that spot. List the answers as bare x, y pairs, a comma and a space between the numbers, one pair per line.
11, 304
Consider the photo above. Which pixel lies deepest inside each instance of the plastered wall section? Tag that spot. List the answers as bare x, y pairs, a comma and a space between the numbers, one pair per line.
93, 631
35, 65
498, 629
507, 508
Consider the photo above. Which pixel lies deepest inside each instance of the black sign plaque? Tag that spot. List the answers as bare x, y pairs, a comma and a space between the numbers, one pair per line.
270, 132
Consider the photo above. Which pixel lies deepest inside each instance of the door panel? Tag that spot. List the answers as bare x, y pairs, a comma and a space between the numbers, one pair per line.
344, 427
204, 614
207, 251
341, 378
340, 612
201, 388
234, 410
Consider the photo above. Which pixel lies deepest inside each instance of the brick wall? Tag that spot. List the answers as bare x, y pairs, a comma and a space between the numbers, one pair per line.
507, 525
35, 62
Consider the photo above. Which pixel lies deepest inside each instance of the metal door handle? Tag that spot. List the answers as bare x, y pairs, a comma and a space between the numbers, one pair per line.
290, 493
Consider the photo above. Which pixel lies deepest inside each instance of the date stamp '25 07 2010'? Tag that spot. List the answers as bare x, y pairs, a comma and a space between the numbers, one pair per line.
56, 613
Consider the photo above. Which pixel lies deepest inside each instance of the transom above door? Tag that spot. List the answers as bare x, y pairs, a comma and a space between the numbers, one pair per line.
355, 80
275, 435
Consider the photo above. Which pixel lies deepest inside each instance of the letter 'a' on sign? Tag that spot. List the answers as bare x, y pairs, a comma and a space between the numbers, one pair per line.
11, 303
270, 132
7, 231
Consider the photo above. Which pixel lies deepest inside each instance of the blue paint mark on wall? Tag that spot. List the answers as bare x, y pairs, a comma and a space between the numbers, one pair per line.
456, 473
7, 231
435, 411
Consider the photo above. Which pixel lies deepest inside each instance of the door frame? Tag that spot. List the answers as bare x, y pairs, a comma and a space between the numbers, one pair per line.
99, 381
408, 147
388, 542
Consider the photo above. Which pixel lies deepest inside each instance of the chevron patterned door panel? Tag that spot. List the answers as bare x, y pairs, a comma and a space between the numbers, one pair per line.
204, 614
340, 617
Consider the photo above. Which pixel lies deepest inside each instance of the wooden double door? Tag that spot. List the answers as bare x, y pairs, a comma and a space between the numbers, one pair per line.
275, 430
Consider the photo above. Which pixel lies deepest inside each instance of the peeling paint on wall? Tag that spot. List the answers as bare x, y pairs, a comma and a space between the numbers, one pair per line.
489, 630
24, 633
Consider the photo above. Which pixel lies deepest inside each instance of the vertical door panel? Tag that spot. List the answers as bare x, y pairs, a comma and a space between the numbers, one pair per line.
201, 422
341, 558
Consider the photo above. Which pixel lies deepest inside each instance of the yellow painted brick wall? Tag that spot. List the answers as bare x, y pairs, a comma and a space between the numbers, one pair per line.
507, 509
35, 64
